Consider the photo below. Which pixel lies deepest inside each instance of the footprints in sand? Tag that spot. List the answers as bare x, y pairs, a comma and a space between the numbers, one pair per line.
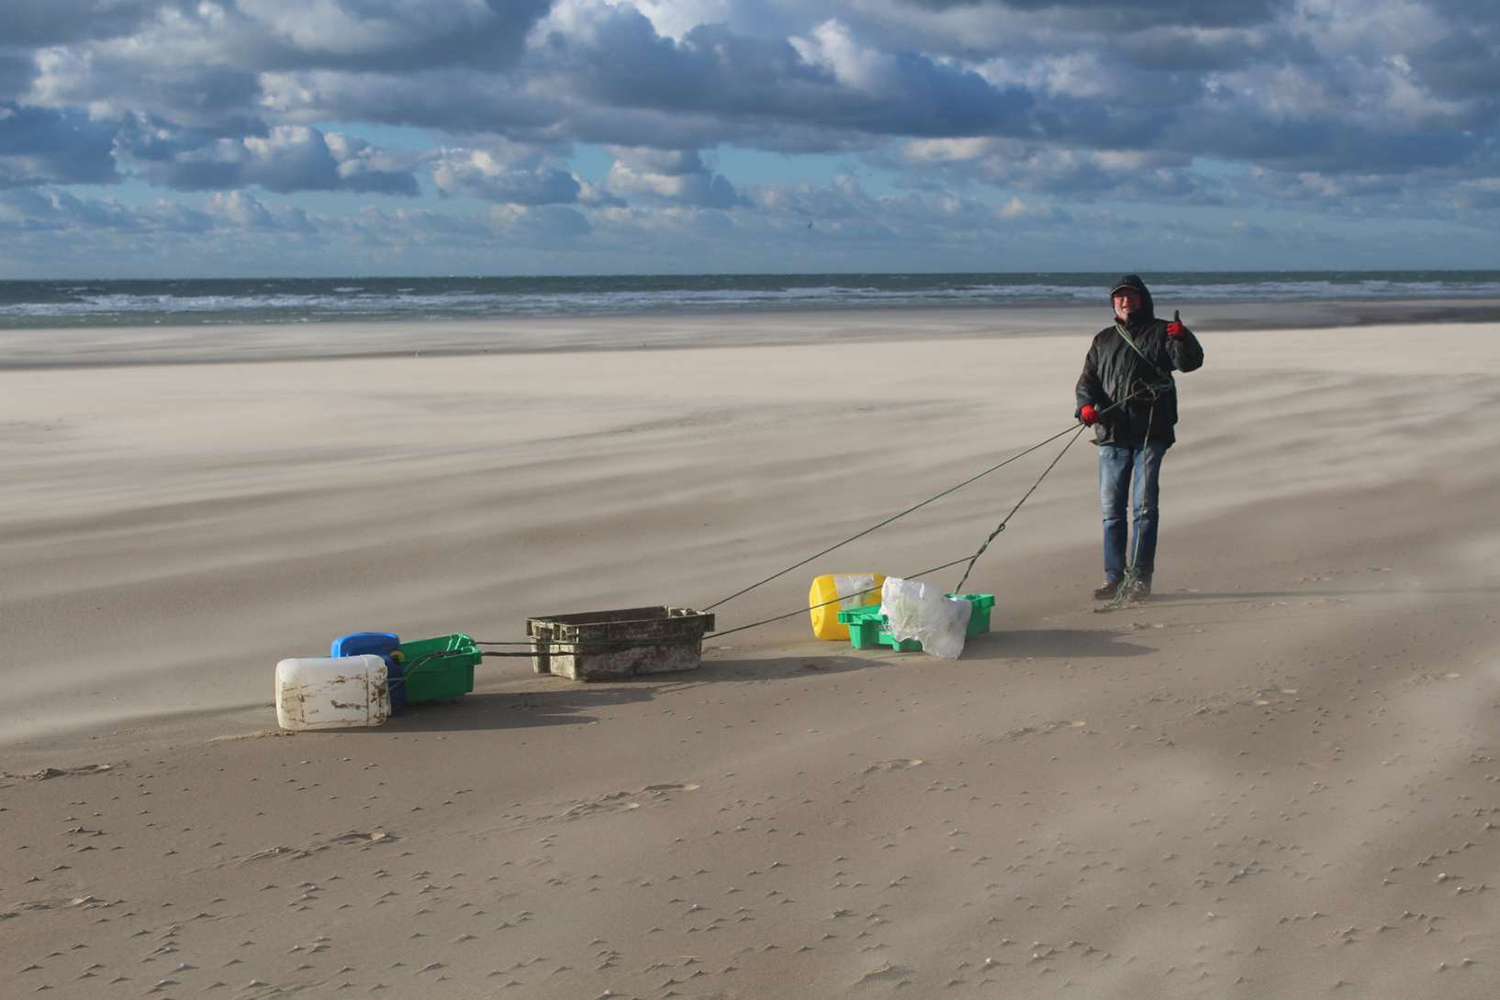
361, 840
621, 801
48, 773
902, 764
951, 855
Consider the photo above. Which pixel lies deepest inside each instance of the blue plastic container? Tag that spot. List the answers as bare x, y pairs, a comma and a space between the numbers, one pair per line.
381, 644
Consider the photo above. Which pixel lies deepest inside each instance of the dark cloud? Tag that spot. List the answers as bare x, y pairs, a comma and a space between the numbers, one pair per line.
16, 70
1463, 64
1321, 143
1177, 50
624, 62
386, 35
1113, 15
37, 23
1473, 13
43, 146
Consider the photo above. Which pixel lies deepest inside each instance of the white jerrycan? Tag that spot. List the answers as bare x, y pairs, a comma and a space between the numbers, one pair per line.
331, 692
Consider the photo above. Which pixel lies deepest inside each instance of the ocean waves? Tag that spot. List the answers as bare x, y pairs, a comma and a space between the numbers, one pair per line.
316, 300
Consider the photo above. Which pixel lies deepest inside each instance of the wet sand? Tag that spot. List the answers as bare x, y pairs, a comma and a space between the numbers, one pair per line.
1276, 779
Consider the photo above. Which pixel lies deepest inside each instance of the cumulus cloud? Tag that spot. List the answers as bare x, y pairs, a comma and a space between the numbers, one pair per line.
1080, 173
287, 158
243, 210
123, 76
202, 64
675, 176
1007, 109
1080, 72
622, 61
483, 175
545, 223
54, 211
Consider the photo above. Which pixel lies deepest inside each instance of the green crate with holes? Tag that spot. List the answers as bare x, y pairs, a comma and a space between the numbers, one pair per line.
867, 626
438, 669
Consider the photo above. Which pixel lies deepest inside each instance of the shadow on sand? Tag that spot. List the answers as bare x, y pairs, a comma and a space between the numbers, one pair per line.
570, 706
1054, 643
565, 703
1187, 597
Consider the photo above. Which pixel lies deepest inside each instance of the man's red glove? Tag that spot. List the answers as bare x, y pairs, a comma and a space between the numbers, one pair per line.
1175, 328
1088, 415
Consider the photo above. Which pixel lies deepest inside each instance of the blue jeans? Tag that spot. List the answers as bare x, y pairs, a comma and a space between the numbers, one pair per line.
1118, 467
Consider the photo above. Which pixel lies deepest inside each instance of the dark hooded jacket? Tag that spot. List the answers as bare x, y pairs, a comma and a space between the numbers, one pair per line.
1113, 370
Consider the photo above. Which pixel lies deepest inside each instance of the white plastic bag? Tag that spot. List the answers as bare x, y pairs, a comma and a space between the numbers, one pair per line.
923, 612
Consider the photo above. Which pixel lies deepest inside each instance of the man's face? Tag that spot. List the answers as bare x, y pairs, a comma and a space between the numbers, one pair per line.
1127, 301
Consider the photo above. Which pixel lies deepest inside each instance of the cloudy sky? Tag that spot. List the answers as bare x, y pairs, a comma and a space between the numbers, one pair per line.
324, 137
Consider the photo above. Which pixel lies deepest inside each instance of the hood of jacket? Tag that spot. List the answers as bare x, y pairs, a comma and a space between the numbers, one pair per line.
1148, 310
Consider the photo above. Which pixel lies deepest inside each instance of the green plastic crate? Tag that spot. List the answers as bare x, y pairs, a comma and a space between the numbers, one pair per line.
867, 625
438, 669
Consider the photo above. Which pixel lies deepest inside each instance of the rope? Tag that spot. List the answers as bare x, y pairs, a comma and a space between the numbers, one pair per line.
971, 560
1122, 593
546, 646
894, 517
1142, 389
529, 643
1001, 526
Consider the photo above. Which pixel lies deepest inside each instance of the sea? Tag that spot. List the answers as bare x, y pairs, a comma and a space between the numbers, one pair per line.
31, 304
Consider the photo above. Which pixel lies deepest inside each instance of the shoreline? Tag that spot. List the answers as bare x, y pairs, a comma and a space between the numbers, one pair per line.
33, 348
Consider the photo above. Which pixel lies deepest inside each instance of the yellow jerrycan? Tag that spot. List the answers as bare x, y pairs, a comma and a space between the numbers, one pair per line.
846, 591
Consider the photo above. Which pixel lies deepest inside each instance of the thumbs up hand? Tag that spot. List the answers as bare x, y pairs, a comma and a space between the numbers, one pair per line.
1175, 328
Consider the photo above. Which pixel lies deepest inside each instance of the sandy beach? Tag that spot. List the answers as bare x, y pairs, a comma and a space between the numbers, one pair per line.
1277, 779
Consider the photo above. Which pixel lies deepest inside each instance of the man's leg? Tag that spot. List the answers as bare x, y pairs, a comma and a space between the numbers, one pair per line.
1146, 513
1114, 486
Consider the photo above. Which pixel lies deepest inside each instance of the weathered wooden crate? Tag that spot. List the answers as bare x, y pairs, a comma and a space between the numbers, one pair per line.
605, 645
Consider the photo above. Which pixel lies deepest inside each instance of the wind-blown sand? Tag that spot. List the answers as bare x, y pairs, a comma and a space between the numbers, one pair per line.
1278, 779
